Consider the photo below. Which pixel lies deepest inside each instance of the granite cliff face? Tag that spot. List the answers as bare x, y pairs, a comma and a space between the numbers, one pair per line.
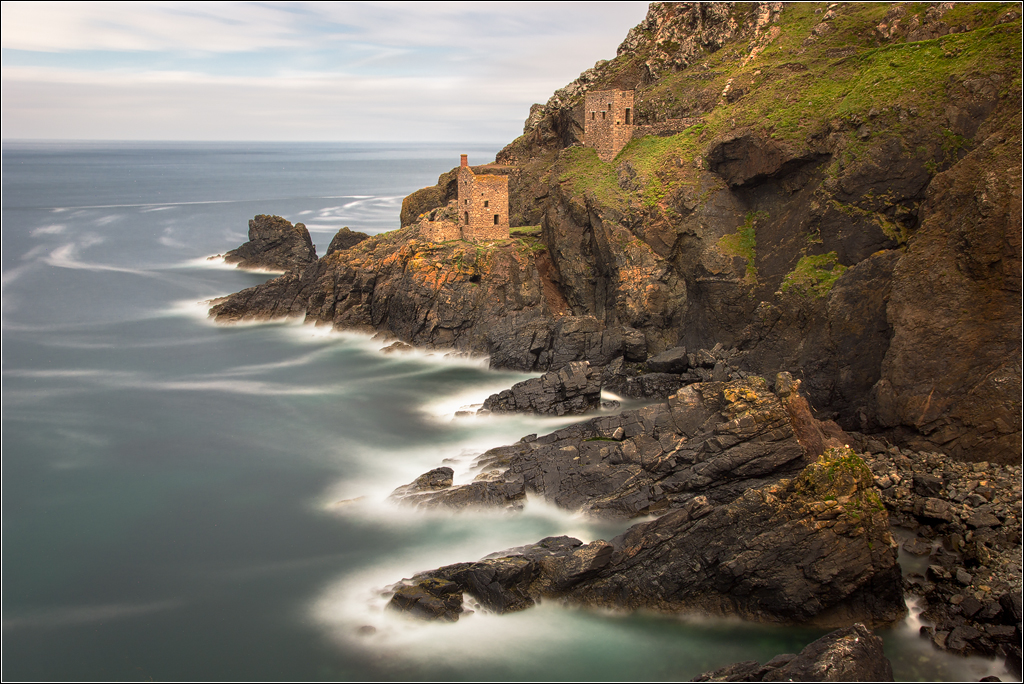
828, 190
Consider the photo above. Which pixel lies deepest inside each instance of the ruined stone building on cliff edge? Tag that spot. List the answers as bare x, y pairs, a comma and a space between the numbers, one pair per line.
608, 121
482, 209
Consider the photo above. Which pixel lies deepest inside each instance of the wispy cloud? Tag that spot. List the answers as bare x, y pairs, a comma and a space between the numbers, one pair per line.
293, 71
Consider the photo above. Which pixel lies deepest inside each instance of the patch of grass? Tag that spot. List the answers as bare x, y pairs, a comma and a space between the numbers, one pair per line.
814, 275
586, 174
792, 87
952, 145
743, 243
523, 231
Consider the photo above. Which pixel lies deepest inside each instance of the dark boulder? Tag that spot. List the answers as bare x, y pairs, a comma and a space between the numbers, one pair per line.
672, 361
345, 239
275, 245
851, 654
429, 598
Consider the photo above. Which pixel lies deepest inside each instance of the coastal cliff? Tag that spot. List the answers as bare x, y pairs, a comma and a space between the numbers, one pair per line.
828, 190
825, 195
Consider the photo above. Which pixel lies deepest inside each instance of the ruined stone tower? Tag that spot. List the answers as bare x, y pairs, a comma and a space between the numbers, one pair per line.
480, 212
608, 121
483, 204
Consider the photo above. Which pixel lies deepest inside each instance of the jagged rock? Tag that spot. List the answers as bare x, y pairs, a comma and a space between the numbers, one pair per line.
345, 239
434, 489
574, 389
510, 580
274, 244
650, 385
429, 598
815, 549
851, 654
715, 439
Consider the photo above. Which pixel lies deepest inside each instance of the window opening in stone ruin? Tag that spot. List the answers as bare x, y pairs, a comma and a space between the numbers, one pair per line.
467, 218
602, 115
486, 202
629, 121
495, 219
609, 106
593, 115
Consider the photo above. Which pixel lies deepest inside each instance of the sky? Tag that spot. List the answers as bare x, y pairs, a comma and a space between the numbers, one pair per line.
361, 71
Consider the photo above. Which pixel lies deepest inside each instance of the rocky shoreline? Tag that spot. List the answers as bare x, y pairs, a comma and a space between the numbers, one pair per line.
821, 525
752, 253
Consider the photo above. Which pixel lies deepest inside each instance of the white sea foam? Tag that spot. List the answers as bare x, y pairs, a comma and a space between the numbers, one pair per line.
52, 229
168, 241
206, 383
66, 256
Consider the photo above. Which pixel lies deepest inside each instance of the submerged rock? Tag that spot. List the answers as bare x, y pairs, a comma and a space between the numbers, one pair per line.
274, 244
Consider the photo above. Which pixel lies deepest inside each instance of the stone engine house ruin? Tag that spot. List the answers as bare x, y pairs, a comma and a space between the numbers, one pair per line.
482, 209
608, 121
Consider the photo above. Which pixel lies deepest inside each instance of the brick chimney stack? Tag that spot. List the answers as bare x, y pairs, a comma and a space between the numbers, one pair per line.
464, 161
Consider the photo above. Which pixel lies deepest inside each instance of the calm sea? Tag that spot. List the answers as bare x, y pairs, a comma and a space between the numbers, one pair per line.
183, 500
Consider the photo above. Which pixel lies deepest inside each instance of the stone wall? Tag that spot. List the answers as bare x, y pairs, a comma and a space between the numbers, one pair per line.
608, 121
440, 231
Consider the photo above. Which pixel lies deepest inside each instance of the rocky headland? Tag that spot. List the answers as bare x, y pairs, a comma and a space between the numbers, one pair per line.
808, 258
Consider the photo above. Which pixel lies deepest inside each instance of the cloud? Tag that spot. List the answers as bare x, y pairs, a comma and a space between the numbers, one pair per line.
294, 71
178, 27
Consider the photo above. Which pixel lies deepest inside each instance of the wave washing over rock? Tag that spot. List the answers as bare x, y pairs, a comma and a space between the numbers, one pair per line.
826, 196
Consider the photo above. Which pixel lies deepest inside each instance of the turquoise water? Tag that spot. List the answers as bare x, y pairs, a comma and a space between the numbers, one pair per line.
188, 501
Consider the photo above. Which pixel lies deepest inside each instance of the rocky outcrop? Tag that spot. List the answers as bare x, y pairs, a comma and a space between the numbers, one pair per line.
274, 245
851, 654
345, 239
441, 295
504, 582
814, 549
571, 390
710, 439
434, 489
